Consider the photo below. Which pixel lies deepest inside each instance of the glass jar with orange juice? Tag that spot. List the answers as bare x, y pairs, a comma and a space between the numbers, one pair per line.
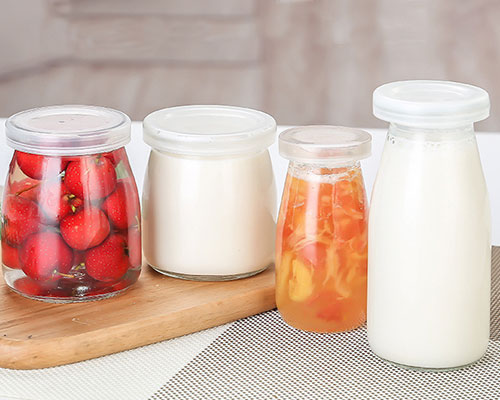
321, 245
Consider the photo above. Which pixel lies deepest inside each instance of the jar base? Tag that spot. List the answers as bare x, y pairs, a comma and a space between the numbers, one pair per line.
209, 278
305, 328
68, 290
67, 300
426, 369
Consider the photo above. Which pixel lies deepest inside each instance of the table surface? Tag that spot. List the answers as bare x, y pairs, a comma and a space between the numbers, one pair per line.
148, 372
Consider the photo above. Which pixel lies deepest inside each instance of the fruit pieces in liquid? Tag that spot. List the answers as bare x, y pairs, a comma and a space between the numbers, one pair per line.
321, 251
71, 225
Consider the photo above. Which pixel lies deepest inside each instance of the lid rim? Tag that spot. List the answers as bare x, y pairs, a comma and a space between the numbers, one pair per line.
65, 151
430, 102
259, 135
326, 144
112, 132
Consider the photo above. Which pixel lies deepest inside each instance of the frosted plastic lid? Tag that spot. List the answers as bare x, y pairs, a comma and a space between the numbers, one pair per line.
323, 144
430, 103
68, 130
209, 130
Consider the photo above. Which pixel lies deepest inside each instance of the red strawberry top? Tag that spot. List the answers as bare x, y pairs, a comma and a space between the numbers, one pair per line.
37, 166
45, 255
56, 202
109, 261
85, 229
10, 256
122, 206
134, 249
27, 188
21, 218
92, 177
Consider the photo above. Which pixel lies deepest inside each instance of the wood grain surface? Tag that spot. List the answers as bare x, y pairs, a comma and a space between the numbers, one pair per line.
36, 334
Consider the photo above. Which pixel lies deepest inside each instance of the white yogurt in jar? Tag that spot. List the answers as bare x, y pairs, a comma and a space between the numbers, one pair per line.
429, 228
209, 201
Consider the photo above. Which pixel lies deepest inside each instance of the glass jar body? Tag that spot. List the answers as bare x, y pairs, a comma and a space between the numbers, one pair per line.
71, 226
321, 248
209, 218
429, 254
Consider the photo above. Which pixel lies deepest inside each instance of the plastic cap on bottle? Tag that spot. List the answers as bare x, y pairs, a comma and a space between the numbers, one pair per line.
430, 104
324, 144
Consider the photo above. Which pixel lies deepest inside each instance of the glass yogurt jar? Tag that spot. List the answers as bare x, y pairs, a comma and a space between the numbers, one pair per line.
209, 198
70, 212
322, 234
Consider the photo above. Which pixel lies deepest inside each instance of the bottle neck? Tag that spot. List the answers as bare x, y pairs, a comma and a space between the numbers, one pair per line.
432, 134
322, 171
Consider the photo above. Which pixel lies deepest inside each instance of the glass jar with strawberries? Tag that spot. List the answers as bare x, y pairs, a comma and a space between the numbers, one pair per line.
71, 222
321, 244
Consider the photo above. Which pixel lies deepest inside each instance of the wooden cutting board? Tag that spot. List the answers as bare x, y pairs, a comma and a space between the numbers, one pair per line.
36, 334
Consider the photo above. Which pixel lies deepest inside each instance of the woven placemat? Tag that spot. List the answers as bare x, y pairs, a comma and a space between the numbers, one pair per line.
261, 357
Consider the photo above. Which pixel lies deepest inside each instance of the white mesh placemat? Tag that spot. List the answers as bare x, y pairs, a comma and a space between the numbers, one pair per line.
260, 357
132, 374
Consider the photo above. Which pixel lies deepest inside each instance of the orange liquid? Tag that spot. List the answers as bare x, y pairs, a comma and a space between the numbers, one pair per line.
321, 251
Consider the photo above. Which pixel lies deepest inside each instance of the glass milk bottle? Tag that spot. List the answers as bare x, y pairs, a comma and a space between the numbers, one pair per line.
429, 228
321, 242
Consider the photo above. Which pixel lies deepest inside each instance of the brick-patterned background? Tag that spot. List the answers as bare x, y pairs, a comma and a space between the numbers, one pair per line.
303, 61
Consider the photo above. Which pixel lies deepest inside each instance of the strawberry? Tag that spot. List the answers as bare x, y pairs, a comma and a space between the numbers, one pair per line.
108, 261
28, 286
37, 166
27, 188
45, 255
57, 202
10, 256
117, 155
92, 177
122, 206
20, 219
120, 160
134, 247
85, 229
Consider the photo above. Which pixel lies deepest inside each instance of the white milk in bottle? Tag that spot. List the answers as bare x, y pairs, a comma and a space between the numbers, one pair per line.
429, 228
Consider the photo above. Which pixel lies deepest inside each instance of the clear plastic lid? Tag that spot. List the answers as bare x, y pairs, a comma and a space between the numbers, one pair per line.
321, 144
209, 130
68, 130
430, 104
